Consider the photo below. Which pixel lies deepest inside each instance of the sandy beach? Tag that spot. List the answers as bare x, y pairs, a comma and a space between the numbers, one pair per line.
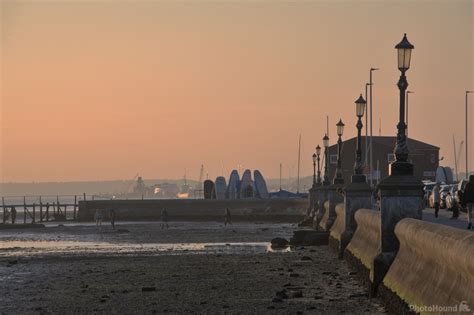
189, 268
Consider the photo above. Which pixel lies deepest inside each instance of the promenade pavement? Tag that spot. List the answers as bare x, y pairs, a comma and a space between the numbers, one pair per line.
444, 217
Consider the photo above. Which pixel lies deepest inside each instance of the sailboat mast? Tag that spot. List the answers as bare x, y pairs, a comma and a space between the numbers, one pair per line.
280, 176
380, 126
299, 158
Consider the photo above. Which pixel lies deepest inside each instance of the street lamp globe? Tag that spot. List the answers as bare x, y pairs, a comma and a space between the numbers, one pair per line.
360, 106
314, 157
318, 150
404, 49
326, 141
340, 128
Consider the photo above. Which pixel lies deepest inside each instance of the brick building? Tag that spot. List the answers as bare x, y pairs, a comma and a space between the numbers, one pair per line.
423, 156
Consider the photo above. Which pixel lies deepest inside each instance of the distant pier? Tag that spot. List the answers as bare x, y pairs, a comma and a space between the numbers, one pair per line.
34, 209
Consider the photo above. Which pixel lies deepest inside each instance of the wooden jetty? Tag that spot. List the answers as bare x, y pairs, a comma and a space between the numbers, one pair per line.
40, 211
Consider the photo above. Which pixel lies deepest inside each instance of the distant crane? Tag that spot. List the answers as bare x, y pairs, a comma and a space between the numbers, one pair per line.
129, 187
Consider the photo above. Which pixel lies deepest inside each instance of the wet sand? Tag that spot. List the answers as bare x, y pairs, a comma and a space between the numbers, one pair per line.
192, 267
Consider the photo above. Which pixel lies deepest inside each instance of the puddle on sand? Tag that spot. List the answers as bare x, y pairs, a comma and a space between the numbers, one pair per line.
35, 248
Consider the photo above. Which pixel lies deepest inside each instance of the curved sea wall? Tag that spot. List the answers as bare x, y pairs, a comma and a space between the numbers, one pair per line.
325, 218
434, 267
337, 229
273, 210
365, 244
432, 271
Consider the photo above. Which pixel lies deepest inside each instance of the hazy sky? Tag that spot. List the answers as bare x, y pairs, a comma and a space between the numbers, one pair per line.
107, 89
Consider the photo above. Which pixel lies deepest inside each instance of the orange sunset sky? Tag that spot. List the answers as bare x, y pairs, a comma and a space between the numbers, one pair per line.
98, 90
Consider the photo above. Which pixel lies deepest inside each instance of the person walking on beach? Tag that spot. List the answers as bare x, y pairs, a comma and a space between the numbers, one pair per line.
98, 218
164, 219
436, 199
13, 215
468, 200
112, 218
6, 215
227, 217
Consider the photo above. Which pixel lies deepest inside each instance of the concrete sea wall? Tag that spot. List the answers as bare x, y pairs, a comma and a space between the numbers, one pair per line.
337, 229
325, 218
365, 244
431, 271
434, 266
277, 210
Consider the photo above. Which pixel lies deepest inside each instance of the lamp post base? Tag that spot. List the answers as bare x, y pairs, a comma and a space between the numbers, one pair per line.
401, 197
320, 197
339, 180
334, 197
356, 196
398, 168
358, 178
310, 210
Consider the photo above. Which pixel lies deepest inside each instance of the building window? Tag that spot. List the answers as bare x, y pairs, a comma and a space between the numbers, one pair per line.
333, 159
390, 157
433, 158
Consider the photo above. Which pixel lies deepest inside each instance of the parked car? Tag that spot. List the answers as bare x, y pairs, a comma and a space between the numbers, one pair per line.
443, 193
427, 189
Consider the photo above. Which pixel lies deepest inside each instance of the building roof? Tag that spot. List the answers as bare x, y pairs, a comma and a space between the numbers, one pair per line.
390, 142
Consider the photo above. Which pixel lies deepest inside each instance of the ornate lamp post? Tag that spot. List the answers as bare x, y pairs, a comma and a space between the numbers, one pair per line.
326, 160
338, 176
401, 166
357, 194
401, 193
314, 169
318, 154
358, 176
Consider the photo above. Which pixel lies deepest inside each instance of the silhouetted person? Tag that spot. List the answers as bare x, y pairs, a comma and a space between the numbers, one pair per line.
112, 218
98, 217
164, 219
227, 217
468, 200
6, 215
13, 214
436, 198
457, 206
